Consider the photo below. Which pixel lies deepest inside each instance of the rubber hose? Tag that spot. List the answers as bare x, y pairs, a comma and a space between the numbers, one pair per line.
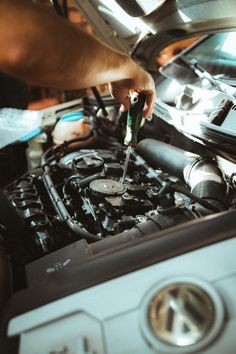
202, 174
166, 157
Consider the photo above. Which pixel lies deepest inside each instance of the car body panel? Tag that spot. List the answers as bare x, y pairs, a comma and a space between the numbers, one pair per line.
173, 20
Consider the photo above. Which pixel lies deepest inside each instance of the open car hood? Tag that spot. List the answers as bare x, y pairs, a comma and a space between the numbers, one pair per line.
172, 20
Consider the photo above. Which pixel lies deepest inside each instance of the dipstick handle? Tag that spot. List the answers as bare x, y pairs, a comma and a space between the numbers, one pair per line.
134, 119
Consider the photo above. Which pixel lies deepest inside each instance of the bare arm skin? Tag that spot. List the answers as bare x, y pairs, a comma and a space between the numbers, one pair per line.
38, 46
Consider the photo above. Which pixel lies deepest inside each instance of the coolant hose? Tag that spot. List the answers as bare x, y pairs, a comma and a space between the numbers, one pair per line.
201, 174
62, 211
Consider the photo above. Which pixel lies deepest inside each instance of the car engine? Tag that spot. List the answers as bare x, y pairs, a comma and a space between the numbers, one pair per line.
92, 262
78, 193
74, 210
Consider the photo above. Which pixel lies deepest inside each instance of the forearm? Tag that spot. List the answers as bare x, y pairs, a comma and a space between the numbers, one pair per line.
42, 48
38, 46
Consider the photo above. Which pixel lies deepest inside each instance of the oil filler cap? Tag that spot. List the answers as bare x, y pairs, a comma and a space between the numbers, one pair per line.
181, 315
106, 187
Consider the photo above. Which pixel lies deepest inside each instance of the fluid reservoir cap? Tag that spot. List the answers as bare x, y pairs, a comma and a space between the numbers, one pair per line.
88, 164
107, 187
107, 156
114, 168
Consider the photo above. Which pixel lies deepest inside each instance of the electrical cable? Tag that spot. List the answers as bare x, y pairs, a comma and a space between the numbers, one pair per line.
58, 8
62, 211
99, 101
56, 199
65, 8
201, 201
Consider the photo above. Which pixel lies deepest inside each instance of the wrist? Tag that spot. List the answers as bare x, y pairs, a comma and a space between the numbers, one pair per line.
124, 66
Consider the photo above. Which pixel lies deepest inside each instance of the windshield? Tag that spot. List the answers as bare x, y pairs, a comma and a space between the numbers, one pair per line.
216, 54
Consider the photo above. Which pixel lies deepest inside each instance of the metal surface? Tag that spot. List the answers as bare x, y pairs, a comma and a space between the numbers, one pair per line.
179, 19
128, 152
121, 309
96, 12
107, 187
181, 314
173, 21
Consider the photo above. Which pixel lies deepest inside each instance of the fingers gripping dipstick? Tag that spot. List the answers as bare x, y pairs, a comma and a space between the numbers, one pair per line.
134, 119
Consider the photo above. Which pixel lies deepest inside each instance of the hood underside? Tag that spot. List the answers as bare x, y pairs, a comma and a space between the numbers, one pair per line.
173, 20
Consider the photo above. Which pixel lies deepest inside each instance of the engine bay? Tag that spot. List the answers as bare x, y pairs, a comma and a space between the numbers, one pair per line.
95, 258
78, 193
71, 222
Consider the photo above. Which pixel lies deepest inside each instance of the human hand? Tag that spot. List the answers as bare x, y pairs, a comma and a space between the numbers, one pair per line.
140, 81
